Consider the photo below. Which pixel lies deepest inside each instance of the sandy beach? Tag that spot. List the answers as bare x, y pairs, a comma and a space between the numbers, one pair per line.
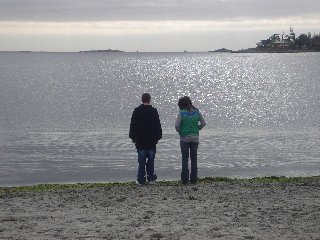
216, 210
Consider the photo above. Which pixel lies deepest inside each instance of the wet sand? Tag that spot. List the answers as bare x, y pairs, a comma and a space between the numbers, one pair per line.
218, 210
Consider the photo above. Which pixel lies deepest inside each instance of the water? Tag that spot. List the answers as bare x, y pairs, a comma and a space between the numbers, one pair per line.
64, 117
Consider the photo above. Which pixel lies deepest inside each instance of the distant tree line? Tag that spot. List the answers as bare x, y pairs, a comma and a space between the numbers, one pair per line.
308, 41
303, 42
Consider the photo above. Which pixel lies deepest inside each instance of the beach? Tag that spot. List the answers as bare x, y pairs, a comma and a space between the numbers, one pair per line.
207, 210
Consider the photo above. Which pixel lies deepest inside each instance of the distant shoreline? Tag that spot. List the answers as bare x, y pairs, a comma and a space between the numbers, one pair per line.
264, 50
213, 51
103, 51
253, 50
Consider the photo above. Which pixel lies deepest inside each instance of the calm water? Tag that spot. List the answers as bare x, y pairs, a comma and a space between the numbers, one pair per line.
64, 117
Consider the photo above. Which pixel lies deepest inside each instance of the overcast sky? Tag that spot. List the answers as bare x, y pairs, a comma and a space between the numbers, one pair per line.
150, 25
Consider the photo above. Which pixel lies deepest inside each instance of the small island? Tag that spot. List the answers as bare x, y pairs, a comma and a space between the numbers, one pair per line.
222, 50
102, 51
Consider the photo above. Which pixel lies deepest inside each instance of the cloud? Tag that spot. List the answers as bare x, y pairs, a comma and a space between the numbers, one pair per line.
151, 27
154, 10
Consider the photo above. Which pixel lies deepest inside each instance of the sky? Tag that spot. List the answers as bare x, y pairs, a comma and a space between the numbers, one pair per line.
150, 25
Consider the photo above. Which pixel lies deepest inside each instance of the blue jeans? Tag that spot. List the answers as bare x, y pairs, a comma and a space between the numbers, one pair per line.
187, 147
146, 163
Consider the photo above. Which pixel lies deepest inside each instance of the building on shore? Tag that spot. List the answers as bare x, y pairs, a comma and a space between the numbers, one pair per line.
278, 41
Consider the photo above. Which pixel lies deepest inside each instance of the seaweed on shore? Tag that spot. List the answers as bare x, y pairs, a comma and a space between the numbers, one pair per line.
56, 187
205, 180
279, 179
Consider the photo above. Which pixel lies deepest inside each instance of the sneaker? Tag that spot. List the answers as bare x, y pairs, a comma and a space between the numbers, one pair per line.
140, 183
152, 178
141, 180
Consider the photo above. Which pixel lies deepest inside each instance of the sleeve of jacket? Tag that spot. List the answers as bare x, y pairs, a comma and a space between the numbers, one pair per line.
202, 121
158, 126
177, 123
133, 123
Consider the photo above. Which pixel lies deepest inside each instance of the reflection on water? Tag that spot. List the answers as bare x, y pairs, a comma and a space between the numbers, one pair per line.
106, 156
65, 117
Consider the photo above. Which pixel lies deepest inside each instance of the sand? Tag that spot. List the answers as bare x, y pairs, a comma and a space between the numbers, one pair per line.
218, 210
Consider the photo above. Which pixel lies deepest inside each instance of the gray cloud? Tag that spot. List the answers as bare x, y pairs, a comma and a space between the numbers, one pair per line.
110, 10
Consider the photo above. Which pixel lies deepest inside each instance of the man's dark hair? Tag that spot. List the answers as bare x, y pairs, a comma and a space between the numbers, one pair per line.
146, 98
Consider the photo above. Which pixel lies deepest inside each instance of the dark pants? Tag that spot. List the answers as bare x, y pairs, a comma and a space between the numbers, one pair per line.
146, 163
187, 147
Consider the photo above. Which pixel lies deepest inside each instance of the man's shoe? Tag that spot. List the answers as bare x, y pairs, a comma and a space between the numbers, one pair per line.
140, 183
184, 182
152, 178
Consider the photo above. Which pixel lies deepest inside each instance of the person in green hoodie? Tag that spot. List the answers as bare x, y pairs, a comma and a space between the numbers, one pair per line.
188, 123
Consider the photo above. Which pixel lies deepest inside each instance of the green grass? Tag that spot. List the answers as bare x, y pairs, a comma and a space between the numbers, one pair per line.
206, 180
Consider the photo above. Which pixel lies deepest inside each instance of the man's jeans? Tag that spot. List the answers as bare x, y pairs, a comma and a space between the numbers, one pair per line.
146, 162
185, 147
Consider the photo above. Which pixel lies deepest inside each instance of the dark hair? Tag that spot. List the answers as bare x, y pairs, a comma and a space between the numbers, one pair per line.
182, 103
185, 103
146, 98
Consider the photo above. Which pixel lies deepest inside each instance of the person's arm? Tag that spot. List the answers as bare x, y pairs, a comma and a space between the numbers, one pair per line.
132, 129
178, 122
158, 126
202, 122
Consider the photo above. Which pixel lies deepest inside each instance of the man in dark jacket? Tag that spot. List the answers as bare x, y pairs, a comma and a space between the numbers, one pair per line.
145, 132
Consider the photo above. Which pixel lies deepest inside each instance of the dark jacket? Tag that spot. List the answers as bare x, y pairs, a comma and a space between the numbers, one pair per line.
145, 127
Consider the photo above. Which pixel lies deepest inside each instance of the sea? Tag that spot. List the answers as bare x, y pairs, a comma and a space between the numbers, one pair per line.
64, 117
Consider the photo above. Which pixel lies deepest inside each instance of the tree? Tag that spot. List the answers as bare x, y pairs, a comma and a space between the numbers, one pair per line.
315, 42
309, 35
302, 40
